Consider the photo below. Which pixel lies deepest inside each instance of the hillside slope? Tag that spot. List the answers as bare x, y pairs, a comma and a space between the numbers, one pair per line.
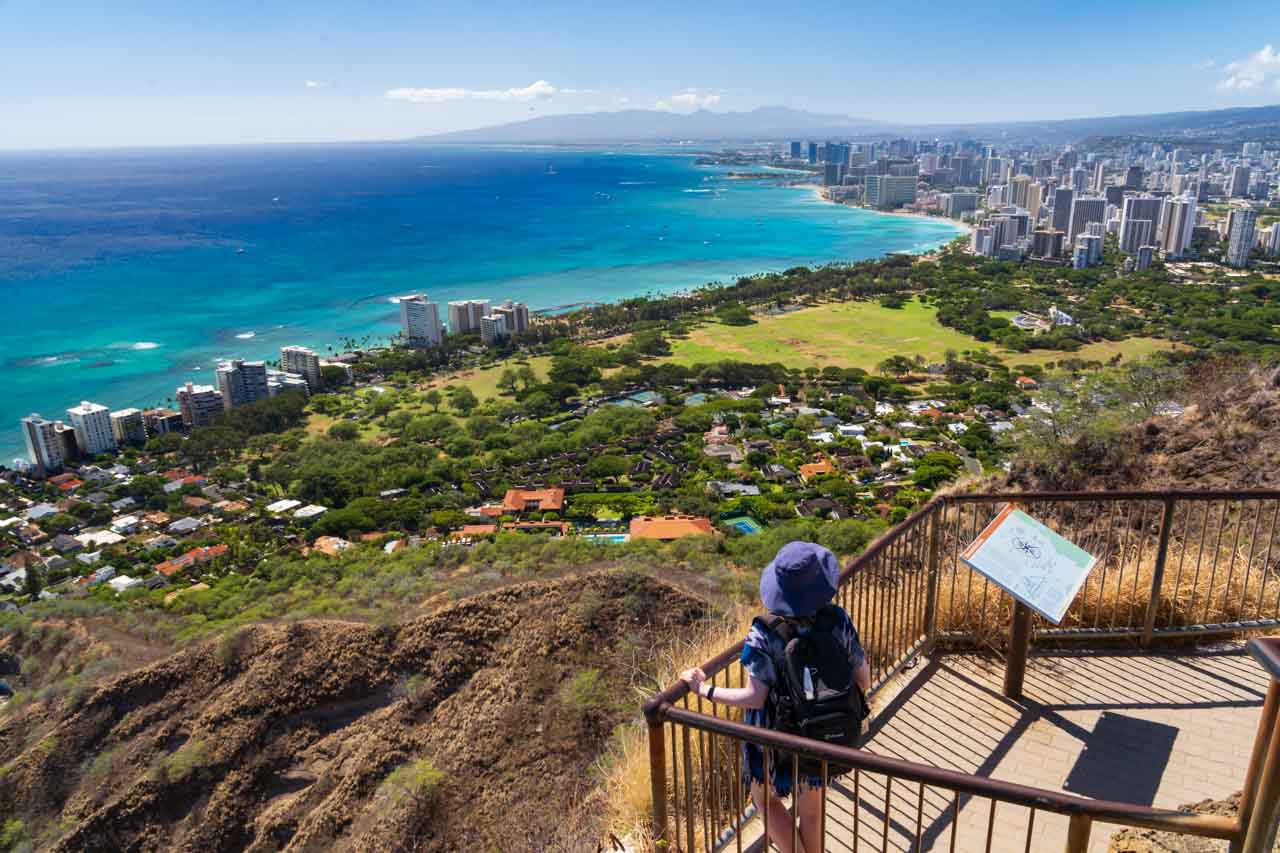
1227, 438
281, 737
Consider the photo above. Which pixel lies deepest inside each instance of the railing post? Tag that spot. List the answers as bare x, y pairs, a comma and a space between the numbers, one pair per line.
1261, 796
1015, 665
936, 520
1261, 741
1078, 833
1157, 574
658, 776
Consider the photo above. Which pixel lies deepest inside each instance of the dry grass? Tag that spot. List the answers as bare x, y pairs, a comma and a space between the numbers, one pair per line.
623, 793
1217, 572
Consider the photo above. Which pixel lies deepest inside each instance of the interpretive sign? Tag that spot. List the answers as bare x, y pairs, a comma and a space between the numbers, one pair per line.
1030, 562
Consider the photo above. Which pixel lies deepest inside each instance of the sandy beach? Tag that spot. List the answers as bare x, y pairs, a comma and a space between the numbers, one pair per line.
818, 192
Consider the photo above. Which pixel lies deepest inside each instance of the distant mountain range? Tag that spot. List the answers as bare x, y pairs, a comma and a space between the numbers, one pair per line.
1236, 124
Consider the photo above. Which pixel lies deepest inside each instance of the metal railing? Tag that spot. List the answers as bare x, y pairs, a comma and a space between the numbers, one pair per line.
1169, 563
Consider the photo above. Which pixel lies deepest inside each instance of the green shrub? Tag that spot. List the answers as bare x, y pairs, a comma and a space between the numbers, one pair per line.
12, 833
587, 690
191, 757
417, 781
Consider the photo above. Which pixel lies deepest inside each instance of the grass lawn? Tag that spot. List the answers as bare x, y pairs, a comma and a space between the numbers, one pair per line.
1129, 348
863, 334
850, 334
483, 382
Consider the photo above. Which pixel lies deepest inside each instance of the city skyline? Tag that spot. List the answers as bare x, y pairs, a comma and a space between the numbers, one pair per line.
156, 75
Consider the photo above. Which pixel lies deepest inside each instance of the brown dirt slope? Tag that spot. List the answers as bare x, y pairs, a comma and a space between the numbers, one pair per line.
280, 737
1228, 438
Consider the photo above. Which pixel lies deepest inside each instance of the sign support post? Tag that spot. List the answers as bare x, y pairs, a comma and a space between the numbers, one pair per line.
1015, 665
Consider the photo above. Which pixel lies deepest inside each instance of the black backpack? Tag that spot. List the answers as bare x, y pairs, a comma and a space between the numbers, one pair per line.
815, 694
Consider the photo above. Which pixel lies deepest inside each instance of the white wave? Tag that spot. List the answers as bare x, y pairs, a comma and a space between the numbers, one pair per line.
697, 191
244, 336
144, 345
635, 183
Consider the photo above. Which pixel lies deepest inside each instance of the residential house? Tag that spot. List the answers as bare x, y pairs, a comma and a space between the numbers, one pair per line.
816, 469
65, 545
194, 557
183, 526
533, 500
331, 546
732, 490
821, 508
668, 527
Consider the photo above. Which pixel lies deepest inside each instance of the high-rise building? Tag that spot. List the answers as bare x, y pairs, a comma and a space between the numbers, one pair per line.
92, 424
889, 191
43, 447
515, 315
465, 314
1079, 179
795, 151
493, 328
1144, 257
1138, 220
1251, 149
1271, 240
1085, 209
162, 421
1241, 223
279, 382
1133, 178
832, 174
1018, 188
813, 152
1046, 243
420, 320
1062, 198
1239, 186
1177, 218
954, 204
304, 363
1092, 244
128, 429
242, 382
201, 405
1035, 198
1099, 176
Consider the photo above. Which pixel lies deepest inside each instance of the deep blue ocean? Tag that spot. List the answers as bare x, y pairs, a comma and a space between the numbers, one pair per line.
122, 275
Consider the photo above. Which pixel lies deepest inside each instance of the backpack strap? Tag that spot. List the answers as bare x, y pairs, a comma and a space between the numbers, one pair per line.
778, 625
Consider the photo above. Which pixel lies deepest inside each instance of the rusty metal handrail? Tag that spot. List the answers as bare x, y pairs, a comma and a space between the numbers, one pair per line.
1171, 494
946, 530
1106, 811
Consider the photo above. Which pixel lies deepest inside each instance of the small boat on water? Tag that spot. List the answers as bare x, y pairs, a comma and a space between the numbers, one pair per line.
239, 251
551, 170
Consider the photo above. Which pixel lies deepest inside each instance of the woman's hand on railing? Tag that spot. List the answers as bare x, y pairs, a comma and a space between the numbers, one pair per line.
694, 678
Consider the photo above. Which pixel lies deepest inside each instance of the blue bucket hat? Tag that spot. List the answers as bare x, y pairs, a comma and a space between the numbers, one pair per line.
801, 579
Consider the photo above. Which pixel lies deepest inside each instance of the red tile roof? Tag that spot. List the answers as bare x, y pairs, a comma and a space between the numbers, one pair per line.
169, 568
522, 500
666, 527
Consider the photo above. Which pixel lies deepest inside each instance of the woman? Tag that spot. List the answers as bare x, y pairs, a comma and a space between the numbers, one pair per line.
801, 580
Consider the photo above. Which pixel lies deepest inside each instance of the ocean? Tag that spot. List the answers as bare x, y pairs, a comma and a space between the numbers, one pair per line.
125, 273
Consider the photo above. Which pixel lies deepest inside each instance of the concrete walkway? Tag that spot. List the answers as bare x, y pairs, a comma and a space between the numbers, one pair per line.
1156, 729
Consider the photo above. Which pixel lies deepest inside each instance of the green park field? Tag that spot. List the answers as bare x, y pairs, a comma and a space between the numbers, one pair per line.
861, 334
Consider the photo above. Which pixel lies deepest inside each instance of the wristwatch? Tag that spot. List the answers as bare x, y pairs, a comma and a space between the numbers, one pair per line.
711, 693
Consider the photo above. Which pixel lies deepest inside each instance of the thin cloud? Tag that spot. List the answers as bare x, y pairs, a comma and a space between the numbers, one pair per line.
315, 84
539, 90
1251, 73
689, 99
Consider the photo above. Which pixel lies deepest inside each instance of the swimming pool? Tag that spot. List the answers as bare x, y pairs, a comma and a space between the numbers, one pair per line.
744, 525
607, 538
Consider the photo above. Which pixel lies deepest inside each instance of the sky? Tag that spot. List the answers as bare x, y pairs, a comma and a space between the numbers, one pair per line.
88, 74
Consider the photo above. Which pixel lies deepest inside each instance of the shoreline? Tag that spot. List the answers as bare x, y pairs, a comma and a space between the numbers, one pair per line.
149, 394
819, 193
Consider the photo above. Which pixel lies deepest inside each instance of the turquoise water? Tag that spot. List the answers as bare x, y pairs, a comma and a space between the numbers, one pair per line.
123, 274
744, 525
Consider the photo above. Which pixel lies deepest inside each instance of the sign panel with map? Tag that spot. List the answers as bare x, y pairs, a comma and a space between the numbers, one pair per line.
1030, 562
